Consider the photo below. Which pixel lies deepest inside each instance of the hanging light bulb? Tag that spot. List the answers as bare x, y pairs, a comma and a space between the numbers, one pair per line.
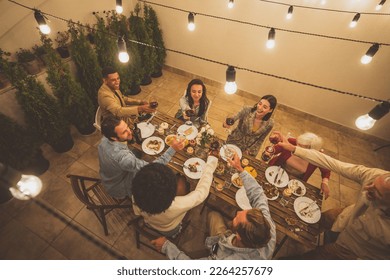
119, 7
380, 5
271, 39
191, 22
367, 121
369, 54
323, 2
19, 185
290, 12
43, 27
231, 4
123, 55
354, 21
230, 86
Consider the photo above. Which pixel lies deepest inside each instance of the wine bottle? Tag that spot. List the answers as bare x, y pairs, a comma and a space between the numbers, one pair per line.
137, 134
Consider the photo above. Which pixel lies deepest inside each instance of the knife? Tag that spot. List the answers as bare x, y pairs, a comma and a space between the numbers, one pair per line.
305, 208
277, 175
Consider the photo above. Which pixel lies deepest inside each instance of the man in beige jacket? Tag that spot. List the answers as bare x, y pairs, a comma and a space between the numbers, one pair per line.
113, 102
364, 227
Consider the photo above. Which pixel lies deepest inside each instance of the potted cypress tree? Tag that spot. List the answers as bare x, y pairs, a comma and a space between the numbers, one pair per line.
42, 112
130, 85
140, 33
22, 153
62, 44
73, 99
28, 60
152, 23
88, 69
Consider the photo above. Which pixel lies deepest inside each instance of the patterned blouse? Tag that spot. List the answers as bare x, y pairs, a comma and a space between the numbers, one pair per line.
243, 135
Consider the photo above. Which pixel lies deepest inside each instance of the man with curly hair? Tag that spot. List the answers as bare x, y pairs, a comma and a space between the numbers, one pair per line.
155, 196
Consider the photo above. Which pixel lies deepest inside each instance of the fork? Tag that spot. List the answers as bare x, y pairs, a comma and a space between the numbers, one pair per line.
302, 211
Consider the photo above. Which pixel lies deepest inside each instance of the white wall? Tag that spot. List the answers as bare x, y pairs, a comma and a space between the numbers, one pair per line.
325, 62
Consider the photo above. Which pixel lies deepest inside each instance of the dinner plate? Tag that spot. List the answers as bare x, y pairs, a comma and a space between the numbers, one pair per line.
229, 146
271, 173
194, 175
150, 151
234, 177
185, 129
147, 129
242, 200
313, 211
294, 185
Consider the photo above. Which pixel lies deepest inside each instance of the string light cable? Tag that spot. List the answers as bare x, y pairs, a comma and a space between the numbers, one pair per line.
266, 26
218, 62
325, 9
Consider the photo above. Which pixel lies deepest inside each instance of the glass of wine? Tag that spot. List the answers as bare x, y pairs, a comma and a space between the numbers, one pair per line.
274, 138
153, 102
229, 122
190, 113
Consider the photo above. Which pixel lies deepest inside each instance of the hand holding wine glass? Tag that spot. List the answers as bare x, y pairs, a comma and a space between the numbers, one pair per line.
229, 121
153, 102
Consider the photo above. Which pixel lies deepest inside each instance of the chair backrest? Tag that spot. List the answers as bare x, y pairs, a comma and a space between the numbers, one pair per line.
98, 117
91, 192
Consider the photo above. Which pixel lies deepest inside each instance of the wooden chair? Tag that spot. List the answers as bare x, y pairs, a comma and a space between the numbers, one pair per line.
98, 117
91, 192
141, 228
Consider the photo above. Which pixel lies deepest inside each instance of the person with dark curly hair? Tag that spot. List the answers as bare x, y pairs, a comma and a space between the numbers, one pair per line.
194, 101
155, 196
252, 234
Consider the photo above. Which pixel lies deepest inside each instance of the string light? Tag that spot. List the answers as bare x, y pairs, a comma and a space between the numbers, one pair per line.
119, 7
271, 39
380, 5
230, 86
290, 12
231, 4
123, 55
354, 20
369, 54
215, 61
191, 22
367, 121
43, 27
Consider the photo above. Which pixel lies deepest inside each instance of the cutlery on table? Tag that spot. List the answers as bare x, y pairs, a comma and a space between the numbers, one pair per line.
150, 119
277, 175
302, 211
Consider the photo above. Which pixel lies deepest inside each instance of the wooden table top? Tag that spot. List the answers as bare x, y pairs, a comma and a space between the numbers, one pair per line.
302, 232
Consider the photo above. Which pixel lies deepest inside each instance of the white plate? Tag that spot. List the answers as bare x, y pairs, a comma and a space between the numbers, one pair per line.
314, 210
294, 184
271, 173
234, 176
242, 200
181, 129
152, 151
229, 146
146, 129
194, 175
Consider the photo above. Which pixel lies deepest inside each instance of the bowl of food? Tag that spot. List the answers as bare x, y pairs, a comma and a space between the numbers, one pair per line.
220, 170
271, 192
236, 180
190, 150
251, 171
244, 162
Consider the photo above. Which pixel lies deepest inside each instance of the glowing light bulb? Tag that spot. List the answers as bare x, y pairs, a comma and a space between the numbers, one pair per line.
191, 22
230, 87
231, 4
366, 59
354, 21
270, 44
119, 9
365, 122
271, 39
290, 12
123, 57
27, 187
45, 29
380, 5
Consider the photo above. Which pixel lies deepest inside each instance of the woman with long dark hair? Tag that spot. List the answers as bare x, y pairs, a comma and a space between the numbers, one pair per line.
194, 105
254, 124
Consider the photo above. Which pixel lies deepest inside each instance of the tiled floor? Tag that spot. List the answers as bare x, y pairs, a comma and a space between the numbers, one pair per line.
29, 232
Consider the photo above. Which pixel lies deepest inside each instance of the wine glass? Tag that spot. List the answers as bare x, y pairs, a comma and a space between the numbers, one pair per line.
274, 138
153, 102
229, 122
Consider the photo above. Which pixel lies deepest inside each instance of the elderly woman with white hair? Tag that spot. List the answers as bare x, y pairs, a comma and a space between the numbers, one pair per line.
301, 168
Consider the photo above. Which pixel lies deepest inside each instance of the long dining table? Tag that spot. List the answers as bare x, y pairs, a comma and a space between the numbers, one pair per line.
287, 222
